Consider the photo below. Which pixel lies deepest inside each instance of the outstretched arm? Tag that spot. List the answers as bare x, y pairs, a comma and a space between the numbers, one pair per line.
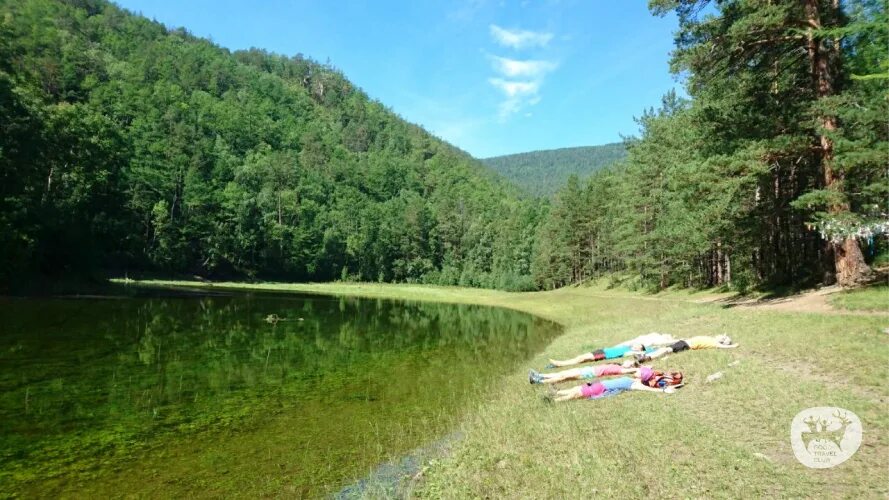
663, 351
639, 386
729, 346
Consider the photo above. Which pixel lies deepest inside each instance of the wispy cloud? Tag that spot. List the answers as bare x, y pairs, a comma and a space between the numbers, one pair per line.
519, 82
519, 39
515, 68
515, 89
518, 94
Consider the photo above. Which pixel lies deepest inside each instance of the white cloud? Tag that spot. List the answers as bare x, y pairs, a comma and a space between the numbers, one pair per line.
515, 89
518, 94
518, 80
519, 39
514, 68
524, 90
508, 107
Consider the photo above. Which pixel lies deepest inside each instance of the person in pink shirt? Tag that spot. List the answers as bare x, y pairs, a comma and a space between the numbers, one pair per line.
649, 381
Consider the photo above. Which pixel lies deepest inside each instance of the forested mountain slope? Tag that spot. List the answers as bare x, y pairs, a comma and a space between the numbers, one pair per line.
127, 146
542, 173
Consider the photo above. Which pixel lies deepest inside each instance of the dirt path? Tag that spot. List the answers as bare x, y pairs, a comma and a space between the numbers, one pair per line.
813, 301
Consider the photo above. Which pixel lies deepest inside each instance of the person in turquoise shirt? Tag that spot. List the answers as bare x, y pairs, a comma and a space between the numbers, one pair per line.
618, 351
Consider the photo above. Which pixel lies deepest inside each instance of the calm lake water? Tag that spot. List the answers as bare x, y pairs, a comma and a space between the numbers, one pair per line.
173, 393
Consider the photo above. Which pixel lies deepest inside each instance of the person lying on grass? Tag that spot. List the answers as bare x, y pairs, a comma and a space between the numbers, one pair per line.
618, 351
693, 343
597, 390
590, 372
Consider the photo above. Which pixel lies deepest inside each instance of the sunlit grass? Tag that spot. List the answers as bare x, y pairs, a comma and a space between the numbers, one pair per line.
872, 298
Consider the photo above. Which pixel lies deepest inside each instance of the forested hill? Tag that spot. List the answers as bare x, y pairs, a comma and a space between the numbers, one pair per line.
128, 146
542, 173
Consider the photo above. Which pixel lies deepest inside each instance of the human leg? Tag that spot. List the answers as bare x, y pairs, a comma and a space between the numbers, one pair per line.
569, 374
583, 358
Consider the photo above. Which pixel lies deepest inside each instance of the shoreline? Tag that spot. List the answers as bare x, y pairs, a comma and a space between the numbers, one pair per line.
516, 445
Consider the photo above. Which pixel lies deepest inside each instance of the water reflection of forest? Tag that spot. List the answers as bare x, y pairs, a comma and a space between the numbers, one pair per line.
89, 375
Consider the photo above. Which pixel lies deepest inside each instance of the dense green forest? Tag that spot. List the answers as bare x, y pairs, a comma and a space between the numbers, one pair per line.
773, 172
542, 173
127, 146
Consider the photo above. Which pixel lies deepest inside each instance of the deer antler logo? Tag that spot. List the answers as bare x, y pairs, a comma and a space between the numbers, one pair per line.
825, 436
819, 429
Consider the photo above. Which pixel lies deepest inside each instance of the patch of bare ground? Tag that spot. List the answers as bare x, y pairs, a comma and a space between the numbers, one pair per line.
810, 301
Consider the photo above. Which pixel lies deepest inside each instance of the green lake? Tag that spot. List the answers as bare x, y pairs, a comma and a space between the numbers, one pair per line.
162, 392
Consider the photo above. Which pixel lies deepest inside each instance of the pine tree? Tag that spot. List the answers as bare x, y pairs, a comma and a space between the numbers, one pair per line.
759, 74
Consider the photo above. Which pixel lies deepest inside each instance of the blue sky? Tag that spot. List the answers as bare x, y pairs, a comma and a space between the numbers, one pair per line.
490, 76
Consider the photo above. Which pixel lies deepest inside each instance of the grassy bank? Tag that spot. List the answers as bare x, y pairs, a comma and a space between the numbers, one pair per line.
725, 439
872, 298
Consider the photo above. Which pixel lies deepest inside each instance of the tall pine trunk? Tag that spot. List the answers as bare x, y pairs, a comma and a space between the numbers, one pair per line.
849, 264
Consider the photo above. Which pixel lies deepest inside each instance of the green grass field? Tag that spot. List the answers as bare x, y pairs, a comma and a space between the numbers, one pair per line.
730, 438
873, 298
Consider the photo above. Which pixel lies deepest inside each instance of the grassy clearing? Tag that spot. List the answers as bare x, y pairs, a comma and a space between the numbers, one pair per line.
725, 439
872, 298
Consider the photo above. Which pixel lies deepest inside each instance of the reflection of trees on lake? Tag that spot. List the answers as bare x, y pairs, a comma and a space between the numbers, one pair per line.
113, 371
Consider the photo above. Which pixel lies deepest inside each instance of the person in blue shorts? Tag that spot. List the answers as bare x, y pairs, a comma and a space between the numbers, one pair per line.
666, 383
618, 351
